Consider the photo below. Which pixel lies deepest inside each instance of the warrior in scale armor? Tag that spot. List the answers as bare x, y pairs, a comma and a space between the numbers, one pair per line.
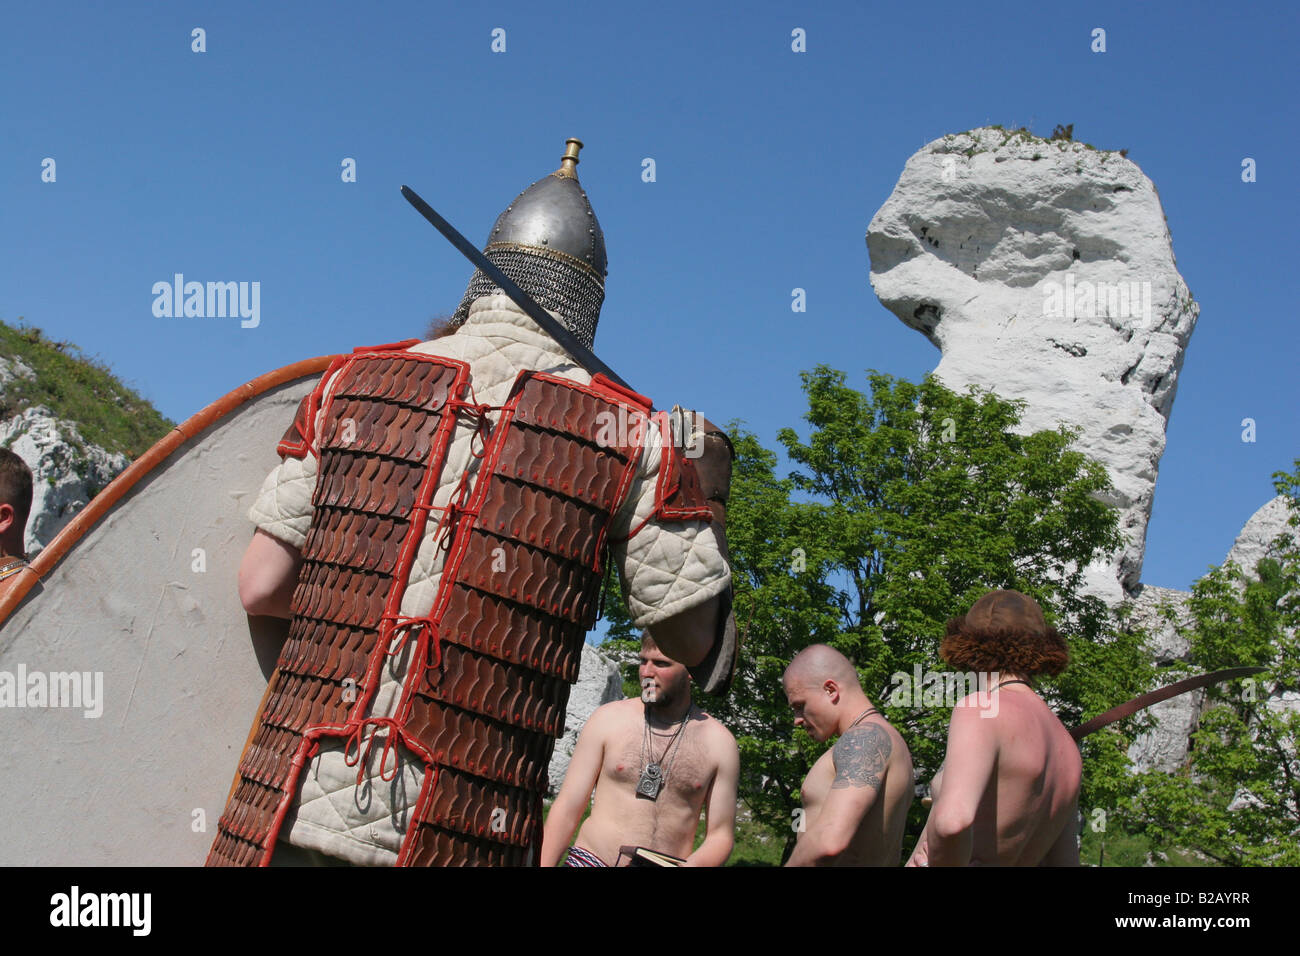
450, 508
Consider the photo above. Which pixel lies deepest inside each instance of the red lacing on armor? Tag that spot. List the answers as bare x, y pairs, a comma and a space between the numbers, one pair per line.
458, 507
475, 410
395, 734
406, 624
451, 516
402, 623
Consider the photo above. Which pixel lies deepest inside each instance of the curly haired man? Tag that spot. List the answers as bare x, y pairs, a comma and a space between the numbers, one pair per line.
1008, 792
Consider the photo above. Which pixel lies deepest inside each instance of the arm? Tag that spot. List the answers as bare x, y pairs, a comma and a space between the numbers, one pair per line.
968, 772
268, 575
720, 811
575, 793
921, 852
1065, 851
861, 758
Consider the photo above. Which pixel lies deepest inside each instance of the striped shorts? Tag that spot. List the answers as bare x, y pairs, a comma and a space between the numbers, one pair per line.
580, 857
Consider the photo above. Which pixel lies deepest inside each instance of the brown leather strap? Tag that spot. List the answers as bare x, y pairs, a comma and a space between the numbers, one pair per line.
1159, 694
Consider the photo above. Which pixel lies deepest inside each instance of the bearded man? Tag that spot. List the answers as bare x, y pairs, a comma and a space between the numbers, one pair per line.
438, 532
655, 763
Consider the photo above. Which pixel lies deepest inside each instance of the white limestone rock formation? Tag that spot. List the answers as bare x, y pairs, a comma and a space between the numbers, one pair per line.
11, 369
599, 682
1044, 271
1257, 537
1161, 612
67, 471
1164, 747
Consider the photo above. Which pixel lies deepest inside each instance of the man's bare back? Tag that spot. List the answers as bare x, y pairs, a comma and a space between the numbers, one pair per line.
871, 754
618, 816
1014, 776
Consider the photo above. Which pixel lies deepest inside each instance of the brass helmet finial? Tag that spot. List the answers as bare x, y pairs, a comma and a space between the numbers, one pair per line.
569, 163
549, 242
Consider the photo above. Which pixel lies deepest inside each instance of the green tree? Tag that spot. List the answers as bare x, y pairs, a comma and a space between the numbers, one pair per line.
908, 503
1237, 798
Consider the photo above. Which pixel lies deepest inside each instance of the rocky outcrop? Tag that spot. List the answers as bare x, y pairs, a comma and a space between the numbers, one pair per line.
67, 471
1162, 611
1044, 271
599, 682
12, 370
1259, 535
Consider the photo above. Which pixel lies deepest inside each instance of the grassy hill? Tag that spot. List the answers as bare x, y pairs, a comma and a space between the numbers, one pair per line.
79, 389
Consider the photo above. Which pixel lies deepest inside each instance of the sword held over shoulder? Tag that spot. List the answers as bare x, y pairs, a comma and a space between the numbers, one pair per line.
581, 354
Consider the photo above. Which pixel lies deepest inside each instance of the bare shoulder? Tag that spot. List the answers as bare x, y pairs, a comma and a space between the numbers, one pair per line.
982, 713
717, 733
861, 756
608, 718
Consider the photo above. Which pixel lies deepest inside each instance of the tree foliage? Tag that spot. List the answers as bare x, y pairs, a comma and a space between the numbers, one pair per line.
906, 503
1237, 799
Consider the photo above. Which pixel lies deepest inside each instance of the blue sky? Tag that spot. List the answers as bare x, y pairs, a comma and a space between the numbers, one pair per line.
225, 165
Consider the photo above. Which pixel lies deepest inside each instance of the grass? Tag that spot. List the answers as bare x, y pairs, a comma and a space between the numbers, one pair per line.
1117, 848
78, 389
1021, 136
755, 844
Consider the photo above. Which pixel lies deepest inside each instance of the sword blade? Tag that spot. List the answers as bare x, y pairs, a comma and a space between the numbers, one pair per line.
1156, 696
567, 340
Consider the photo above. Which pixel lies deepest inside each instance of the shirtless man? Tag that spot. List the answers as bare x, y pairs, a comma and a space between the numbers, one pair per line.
856, 796
617, 750
1008, 792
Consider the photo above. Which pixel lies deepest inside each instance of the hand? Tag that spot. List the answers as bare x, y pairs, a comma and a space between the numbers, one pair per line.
921, 855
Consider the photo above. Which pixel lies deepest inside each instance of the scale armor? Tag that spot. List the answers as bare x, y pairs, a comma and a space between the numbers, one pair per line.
484, 698
485, 671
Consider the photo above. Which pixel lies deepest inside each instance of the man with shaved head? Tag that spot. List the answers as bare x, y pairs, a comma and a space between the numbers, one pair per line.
856, 796
1008, 792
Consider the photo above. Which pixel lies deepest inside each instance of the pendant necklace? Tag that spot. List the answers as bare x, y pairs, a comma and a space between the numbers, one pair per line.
655, 773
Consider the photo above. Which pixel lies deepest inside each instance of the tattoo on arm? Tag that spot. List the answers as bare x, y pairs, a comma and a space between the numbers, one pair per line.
860, 757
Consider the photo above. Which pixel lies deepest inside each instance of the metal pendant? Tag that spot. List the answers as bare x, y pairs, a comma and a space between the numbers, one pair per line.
650, 782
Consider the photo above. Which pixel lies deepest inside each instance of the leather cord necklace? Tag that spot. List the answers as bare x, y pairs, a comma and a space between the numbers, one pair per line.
1017, 680
865, 713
